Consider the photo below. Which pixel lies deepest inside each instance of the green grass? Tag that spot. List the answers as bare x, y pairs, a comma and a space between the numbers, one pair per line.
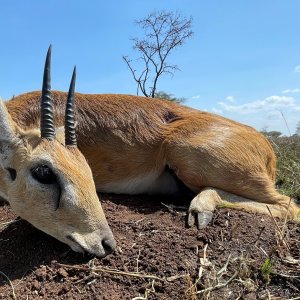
287, 150
267, 269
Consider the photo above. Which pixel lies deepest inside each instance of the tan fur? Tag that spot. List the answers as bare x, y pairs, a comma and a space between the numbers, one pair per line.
129, 142
68, 210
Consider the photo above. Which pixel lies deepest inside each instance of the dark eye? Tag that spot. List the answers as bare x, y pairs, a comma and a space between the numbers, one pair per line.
12, 173
44, 174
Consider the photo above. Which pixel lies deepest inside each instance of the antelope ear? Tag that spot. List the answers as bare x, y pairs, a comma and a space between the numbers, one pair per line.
9, 134
8, 128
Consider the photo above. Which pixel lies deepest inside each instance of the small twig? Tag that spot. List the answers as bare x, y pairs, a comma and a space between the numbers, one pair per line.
262, 250
111, 271
285, 219
12, 287
286, 124
259, 236
286, 275
78, 290
201, 264
171, 207
218, 286
91, 282
222, 236
138, 221
203, 261
291, 261
137, 261
274, 220
224, 268
175, 277
278, 228
85, 278
147, 293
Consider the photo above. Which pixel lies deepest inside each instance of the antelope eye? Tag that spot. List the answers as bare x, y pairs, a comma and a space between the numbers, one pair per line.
44, 175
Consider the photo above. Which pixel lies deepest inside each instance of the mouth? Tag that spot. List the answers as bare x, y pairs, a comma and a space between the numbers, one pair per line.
108, 247
76, 246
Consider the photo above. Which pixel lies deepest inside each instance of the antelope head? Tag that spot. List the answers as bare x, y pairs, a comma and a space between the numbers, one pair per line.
47, 180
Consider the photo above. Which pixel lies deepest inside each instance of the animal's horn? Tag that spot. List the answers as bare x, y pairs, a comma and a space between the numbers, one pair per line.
70, 132
47, 122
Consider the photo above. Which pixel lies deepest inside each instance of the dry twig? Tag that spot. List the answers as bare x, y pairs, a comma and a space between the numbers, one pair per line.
12, 287
281, 236
218, 286
147, 293
118, 272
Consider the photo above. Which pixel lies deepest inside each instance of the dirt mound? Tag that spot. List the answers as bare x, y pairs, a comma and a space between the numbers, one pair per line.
239, 255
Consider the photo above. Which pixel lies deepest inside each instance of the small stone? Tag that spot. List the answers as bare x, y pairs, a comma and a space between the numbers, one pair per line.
62, 272
36, 285
41, 273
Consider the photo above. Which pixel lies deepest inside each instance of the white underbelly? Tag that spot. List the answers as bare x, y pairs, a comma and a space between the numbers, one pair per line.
150, 183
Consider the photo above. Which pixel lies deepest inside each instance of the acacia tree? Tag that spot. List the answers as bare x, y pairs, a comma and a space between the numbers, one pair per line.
167, 96
163, 32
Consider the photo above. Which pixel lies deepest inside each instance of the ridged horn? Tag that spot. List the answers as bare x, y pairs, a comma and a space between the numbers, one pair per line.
47, 122
70, 130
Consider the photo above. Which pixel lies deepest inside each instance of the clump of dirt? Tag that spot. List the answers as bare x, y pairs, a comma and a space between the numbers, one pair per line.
239, 255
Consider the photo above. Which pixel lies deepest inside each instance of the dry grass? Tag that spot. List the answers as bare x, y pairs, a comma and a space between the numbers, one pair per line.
288, 165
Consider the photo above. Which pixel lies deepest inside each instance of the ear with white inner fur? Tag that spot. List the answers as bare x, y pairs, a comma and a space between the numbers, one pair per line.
8, 134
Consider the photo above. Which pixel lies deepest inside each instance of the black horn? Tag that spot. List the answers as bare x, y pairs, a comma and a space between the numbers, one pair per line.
47, 122
70, 132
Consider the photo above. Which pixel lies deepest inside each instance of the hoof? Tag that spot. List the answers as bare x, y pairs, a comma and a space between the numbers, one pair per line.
200, 219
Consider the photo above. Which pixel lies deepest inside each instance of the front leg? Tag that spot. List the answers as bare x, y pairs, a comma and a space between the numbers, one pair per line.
202, 207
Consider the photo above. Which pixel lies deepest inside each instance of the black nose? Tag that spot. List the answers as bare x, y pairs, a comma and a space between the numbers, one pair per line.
109, 245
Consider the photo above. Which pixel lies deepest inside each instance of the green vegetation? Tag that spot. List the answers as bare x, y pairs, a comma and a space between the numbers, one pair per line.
267, 269
170, 97
288, 164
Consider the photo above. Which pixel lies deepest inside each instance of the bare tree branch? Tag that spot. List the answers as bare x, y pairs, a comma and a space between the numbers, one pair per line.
163, 32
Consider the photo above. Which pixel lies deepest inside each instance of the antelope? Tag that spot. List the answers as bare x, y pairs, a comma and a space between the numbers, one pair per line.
126, 144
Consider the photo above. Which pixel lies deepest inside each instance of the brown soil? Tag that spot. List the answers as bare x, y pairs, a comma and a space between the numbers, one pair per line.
226, 260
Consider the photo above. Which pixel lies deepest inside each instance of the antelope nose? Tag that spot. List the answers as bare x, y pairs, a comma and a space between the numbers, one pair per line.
109, 245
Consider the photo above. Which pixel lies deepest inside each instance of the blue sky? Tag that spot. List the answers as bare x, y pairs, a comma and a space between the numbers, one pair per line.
243, 61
